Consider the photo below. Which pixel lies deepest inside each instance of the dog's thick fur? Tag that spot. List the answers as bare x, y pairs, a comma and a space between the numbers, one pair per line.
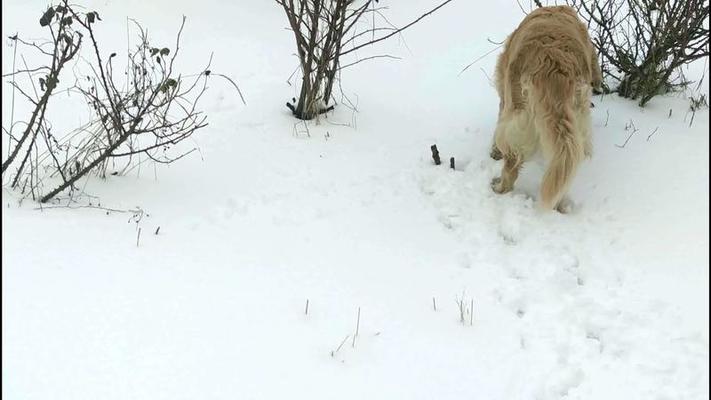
544, 79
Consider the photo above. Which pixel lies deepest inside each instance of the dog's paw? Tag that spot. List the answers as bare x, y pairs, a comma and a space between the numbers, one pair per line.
565, 206
497, 186
588, 150
496, 154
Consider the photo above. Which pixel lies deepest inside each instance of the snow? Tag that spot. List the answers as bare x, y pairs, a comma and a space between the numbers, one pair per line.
609, 302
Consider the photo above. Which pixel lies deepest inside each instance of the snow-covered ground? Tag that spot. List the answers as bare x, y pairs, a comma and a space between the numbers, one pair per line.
609, 302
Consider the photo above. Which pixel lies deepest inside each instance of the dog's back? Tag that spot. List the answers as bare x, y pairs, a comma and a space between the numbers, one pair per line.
548, 40
544, 78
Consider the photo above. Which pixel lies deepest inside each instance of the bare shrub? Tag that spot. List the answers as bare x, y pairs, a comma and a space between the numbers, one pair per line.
64, 46
325, 31
643, 44
144, 110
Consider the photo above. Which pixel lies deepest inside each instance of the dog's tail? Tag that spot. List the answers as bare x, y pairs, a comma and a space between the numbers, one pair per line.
554, 92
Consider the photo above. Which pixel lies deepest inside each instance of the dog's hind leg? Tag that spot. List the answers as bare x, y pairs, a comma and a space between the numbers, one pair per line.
495, 153
515, 140
509, 174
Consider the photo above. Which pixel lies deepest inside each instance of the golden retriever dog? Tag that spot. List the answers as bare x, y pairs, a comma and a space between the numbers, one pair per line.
544, 79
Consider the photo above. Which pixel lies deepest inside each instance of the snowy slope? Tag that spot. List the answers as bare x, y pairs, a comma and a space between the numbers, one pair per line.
609, 302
